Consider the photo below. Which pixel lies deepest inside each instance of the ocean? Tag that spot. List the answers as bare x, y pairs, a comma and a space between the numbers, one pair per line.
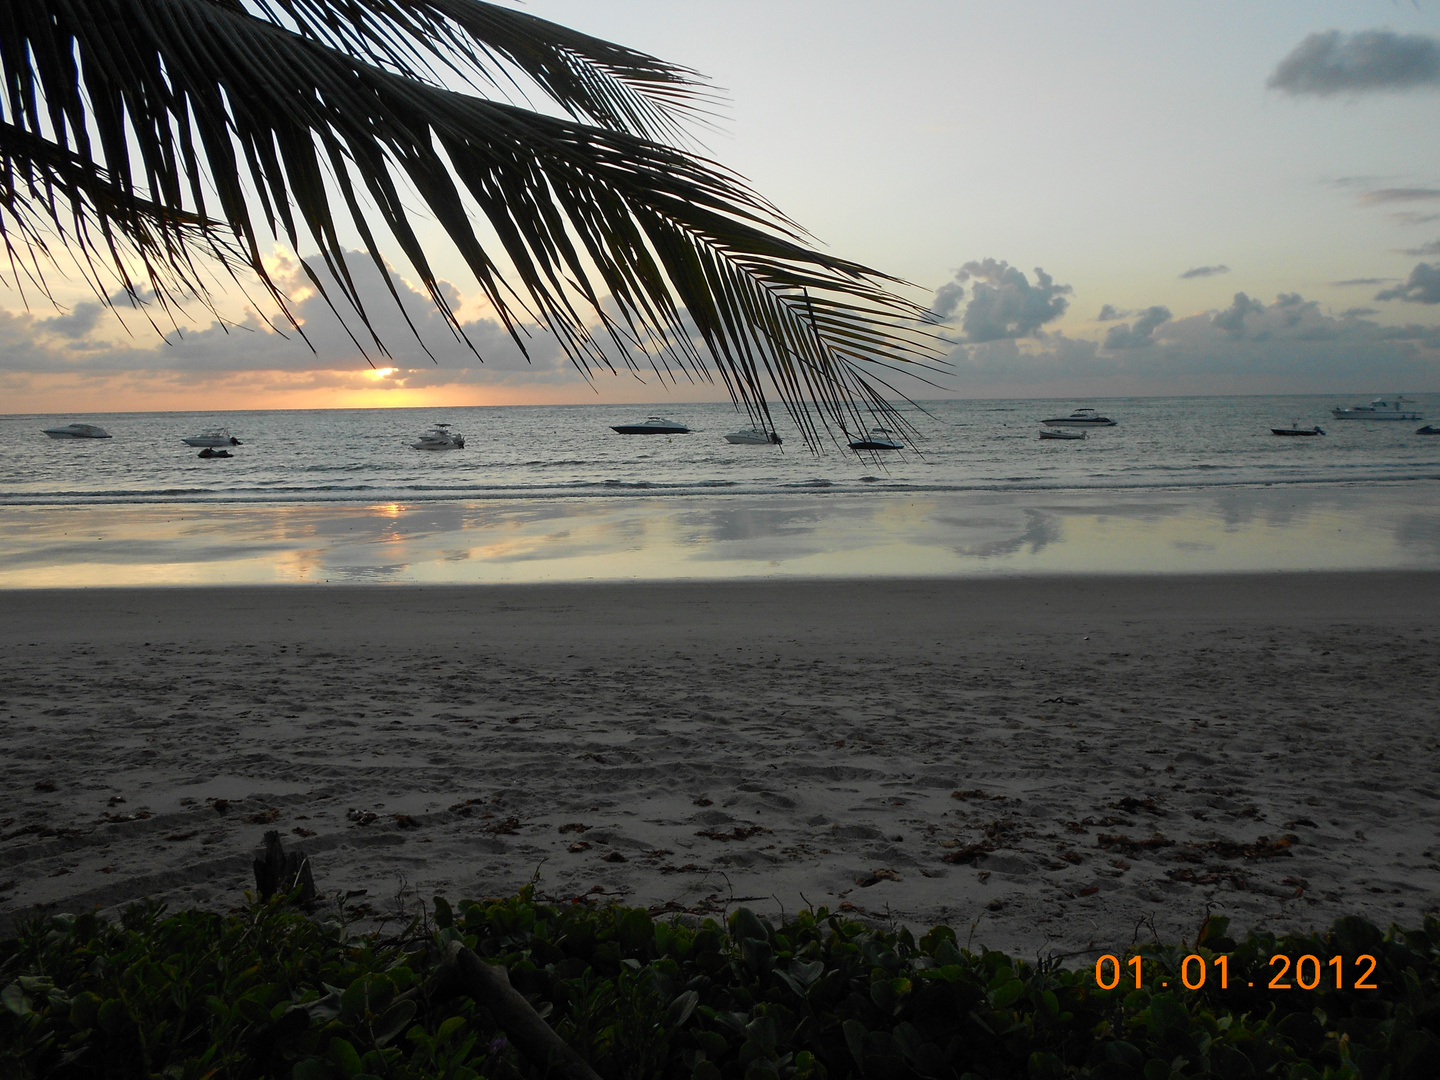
519, 452
543, 494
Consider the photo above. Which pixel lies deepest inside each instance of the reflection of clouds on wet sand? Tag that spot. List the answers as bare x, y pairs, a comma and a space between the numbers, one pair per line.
1419, 533
727, 536
1037, 530
754, 532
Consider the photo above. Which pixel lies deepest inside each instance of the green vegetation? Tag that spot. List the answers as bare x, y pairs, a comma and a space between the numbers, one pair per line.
272, 993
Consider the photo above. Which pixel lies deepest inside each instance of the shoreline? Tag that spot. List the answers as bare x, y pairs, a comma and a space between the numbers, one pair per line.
1126, 749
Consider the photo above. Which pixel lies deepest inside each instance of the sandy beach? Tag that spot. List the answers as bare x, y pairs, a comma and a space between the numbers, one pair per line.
1060, 763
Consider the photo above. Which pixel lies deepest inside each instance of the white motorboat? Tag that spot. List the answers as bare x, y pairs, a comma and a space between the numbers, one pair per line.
877, 438
754, 437
1060, 433
77, 431
1080, 418
652, 425
440, 437
1379, 409
212, 438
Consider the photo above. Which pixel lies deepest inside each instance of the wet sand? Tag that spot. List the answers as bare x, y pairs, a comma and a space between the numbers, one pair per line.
1059, 763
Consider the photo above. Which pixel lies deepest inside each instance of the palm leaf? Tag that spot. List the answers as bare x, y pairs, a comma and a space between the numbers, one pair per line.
174, 124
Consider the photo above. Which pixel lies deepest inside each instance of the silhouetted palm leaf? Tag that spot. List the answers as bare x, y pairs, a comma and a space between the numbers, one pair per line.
141, 131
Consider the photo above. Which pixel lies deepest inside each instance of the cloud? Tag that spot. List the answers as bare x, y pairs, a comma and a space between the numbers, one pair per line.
1432, 248
59, 344
1204, 271
1361, 281
1370, 61
1359, 312
1003, 304
947, 300
1109, 313
1411, 217
1422, 287
1405, 194
1290, 345
81, 320
1142, 333
1232, 319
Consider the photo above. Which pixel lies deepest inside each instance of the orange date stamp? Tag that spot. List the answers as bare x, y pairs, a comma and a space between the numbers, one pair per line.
1305, 972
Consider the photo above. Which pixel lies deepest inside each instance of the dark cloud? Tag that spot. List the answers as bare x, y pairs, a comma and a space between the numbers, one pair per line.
1422, 287
1142, 333
1289, 345
1401, 194
1361, 281
252, 345
1411, 217
1232, 319
81, 320
1204, 271
1359, 312
1003, 304
947, 300
1432, 248
1109, 313
1372, 60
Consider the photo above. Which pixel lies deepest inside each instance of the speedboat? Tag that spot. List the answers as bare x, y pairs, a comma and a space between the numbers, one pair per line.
77, 431
1080, 418
652, 425
878, 438
440, 437
1428, 429
1056, 433
212, 438
1379, 409
1294, 429
754, 437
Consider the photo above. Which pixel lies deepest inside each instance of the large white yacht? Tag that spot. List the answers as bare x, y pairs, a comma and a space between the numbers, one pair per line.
877, 438
77, 431
652, 425
1080, 418
1379, 409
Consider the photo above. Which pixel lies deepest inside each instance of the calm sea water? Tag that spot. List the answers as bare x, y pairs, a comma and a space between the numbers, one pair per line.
364, 456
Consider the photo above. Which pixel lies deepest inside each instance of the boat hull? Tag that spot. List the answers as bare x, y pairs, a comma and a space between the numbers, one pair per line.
1065, 421
647, 429
1368, 414
78, 431
752, 438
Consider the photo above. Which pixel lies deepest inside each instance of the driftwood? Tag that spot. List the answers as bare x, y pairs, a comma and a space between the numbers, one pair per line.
278, 870
489, 985
461, 971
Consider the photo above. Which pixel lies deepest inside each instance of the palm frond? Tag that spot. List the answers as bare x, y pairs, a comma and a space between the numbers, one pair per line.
174, 124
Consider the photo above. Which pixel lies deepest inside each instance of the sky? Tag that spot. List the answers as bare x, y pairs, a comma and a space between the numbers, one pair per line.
1105, 199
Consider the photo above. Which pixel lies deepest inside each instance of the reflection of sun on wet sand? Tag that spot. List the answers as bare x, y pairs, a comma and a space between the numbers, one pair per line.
1053, 759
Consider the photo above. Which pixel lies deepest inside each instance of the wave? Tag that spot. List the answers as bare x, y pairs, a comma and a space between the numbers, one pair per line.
370, 494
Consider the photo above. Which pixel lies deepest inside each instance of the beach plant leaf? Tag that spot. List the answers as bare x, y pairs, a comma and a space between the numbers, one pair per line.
168, 144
